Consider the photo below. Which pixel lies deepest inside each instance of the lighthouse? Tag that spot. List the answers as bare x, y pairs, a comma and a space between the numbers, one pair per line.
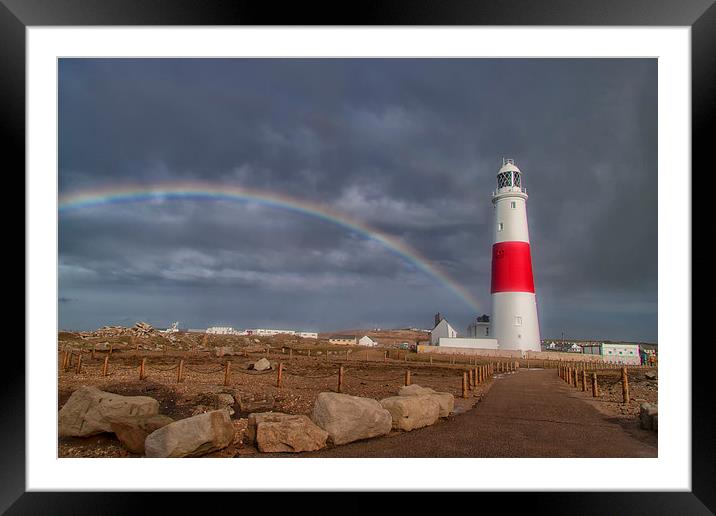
514, 305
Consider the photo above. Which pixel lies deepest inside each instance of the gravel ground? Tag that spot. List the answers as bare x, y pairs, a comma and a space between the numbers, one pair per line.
303, 379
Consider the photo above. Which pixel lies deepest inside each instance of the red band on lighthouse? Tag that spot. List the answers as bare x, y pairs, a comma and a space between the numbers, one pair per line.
512, 267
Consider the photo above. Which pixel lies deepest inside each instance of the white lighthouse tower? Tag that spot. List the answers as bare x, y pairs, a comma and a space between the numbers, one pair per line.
514, 305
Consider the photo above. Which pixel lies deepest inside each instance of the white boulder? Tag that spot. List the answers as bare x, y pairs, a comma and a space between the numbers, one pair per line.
90, 411
350, 418
445, 399
411, 412
196, 435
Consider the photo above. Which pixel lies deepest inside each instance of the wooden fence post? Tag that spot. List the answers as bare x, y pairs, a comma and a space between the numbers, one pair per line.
111, 346
290, 354
471, 379
141, 368
105, 367
595, 387
227, 372
385, 356
79, 363
180, 371
340, 379
464, 384
279, 374
584, 380
625, 385
407, 377
576, 379
309, 353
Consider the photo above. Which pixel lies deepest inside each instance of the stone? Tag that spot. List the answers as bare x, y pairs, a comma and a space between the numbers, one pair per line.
200, 409
275, 432
220, 351
647, 411
249, 404
261, 365
224, 399
132, 432
193, 436
414, 390
350, 418
90, 411
650, 375
445, 399
411, 412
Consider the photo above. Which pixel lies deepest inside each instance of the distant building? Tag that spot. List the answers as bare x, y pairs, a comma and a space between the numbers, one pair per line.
220, 330
307, 334
343, 339
441, 330
445, 335
367, 341
574, 348
480, 327
616, 353
263, 332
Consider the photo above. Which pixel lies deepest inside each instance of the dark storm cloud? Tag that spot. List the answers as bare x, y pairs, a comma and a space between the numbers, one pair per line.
410, 147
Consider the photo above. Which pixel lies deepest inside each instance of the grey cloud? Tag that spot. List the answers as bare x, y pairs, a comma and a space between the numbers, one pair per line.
410, 147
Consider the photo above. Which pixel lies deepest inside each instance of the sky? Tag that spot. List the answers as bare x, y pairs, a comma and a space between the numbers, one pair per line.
407, 147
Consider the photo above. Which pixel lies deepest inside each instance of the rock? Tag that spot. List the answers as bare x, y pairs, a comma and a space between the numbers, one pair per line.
651, 375
200, 409
445, 399
224, 399
647, 411
132, 432
274, 432
193, 436
249, 404
414, 390
220, 351
350, 418
261, 365
90, 411
411, 412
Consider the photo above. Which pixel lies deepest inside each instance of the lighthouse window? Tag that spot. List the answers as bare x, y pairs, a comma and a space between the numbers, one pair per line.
513, 205
500, 226
517, 179
504, 179
518, 320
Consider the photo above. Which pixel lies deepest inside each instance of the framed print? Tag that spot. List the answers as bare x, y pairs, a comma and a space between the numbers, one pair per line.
421, 248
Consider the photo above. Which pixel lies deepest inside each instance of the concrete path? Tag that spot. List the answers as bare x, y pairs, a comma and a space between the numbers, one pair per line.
530, 413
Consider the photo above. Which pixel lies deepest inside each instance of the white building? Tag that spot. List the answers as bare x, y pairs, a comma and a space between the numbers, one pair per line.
367, 341
621, 353
480, 327
441, 330
220, 330
307, 334
263, 332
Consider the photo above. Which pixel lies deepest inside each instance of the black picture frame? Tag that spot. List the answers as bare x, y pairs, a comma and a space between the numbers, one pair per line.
17, 15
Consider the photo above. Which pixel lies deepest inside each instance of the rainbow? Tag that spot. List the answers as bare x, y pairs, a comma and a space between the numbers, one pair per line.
211, 192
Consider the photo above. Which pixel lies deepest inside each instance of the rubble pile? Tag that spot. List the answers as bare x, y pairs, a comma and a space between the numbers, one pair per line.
140, 329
